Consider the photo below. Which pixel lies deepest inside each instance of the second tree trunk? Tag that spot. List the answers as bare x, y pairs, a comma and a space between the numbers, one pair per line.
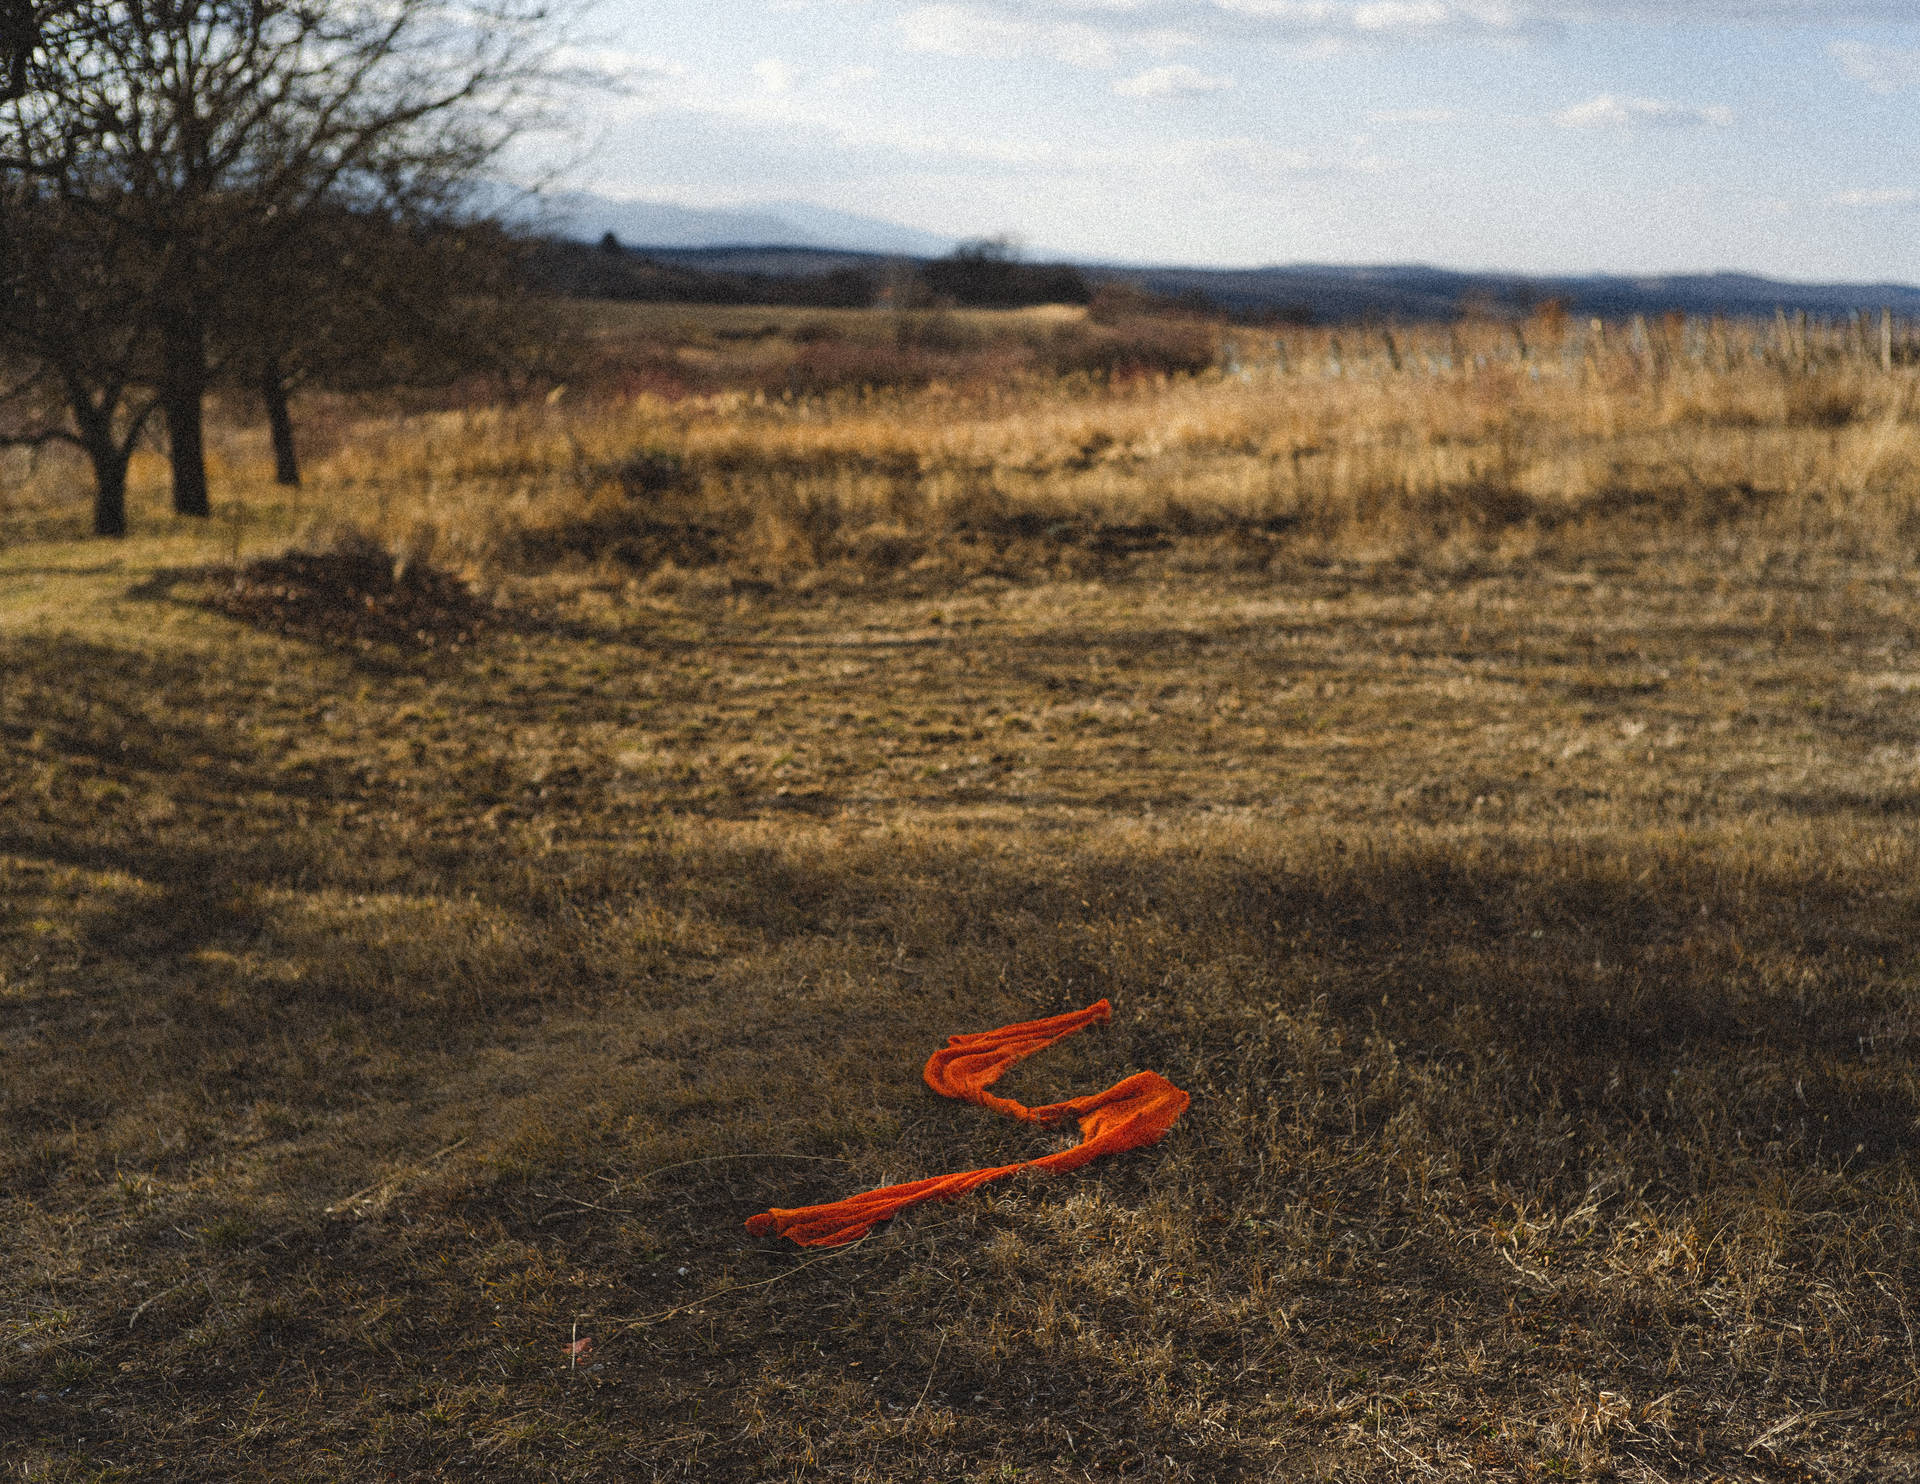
183, 401
273, 391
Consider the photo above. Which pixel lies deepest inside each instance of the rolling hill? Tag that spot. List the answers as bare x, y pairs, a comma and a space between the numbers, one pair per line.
780, 242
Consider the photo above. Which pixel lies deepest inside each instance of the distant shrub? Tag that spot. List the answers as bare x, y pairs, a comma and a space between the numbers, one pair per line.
1121, 300
1141, 345
1823, 404
935, 331
826, 365
651, 474
986, 275
354, 591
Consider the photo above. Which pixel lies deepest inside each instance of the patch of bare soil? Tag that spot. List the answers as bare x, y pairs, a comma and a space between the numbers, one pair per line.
359, 598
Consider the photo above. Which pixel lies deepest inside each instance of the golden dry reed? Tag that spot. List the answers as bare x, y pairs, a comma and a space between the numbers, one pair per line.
1481, 438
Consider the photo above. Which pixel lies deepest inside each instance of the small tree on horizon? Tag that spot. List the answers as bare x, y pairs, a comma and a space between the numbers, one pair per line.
988, 274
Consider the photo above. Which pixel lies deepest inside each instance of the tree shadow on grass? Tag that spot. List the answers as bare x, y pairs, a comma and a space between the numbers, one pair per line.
1378, 1032
1570, 980
1395, 1055
1597, 980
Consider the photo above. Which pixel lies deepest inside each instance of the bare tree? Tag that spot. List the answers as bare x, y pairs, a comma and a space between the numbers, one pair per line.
362, 302
214, 133
75, 357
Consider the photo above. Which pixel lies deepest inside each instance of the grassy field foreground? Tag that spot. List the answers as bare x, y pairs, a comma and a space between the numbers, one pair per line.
1538, 948
1519, 872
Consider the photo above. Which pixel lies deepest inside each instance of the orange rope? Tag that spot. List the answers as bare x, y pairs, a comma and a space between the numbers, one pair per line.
1127, 1115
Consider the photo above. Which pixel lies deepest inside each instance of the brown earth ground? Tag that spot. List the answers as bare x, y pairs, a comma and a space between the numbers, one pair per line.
1535, 932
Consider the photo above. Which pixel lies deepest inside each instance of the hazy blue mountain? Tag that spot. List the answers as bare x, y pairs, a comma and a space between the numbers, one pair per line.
1412, 292
643, 224
830, 228
1334, 294
796, 239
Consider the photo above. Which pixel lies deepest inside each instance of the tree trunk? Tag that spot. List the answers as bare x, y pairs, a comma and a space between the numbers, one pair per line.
286, 460
109, 492
94, 423
183, 400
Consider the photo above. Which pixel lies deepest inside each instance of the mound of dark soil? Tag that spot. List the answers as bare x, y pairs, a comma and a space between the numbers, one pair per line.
357, 599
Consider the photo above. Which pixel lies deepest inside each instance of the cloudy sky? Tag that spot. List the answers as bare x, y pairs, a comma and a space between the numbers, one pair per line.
1773, 136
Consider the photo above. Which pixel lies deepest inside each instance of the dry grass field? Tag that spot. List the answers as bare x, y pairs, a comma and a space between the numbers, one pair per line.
1489, 786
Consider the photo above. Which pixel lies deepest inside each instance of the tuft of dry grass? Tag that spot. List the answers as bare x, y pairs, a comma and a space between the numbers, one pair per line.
353, 592
1530, 910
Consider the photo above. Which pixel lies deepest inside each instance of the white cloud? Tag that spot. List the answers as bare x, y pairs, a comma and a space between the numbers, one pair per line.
1286, 12
1170, 82
1608, 111
1299, 22
1407, 15
775, 75
1257, 166
1685, 12
1764, 12
1415, 116
1884, 196
976, 31
1882, 69
1099, 33
619, 68
796, 113
1093, 32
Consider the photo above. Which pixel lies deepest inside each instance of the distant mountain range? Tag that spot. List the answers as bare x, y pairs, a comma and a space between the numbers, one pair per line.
647, 224
1330, 294
793, 239
1335, 294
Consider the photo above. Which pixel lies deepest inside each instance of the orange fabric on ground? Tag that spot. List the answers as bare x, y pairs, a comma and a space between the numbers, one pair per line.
1126, 1116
